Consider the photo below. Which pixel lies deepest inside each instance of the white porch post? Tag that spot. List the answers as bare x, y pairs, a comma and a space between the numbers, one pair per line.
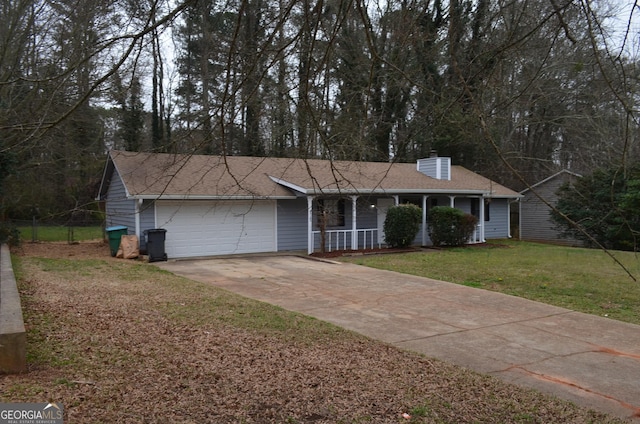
396, 199
310, 225
482, 240
424, 219
452, 201
354, 223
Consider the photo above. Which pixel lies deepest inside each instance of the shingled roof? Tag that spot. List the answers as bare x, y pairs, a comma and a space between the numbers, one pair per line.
156, 175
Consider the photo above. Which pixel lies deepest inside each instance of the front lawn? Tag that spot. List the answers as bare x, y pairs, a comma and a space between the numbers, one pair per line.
118, 341
585, 280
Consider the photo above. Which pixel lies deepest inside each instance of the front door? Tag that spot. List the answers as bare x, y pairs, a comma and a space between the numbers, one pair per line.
382, 206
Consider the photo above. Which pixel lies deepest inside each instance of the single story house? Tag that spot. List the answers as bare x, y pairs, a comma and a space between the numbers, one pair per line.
218, 205
535, 213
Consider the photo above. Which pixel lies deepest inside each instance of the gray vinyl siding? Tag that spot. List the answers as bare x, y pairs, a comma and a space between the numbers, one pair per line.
367, 218
367, 215
436, 167
339, 241
464, 204
498, 224
535, 220
292, 224
147, 220
119, 209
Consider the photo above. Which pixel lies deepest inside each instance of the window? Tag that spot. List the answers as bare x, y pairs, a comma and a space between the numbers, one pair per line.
332, 211
487, 209
475, 208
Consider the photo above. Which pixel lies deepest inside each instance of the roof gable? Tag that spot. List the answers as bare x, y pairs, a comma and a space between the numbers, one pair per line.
562, 173
155, 175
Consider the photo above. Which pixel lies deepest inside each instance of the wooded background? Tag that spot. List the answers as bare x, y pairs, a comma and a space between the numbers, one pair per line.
513, 90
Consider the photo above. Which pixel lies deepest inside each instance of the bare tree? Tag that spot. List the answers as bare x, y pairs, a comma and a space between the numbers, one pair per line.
532, 83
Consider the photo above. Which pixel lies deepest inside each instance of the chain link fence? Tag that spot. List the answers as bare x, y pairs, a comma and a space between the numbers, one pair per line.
71, 231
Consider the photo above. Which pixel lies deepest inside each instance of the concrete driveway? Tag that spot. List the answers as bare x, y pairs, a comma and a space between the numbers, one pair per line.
592, 361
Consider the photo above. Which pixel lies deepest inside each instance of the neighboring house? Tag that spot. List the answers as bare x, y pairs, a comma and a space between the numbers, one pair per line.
535, 219
216, 205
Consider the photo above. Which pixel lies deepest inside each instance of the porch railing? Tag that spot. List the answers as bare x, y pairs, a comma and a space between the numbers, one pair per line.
367, 238
476, 237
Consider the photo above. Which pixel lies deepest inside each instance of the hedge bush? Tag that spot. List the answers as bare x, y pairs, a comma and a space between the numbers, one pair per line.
450, 226
402, 225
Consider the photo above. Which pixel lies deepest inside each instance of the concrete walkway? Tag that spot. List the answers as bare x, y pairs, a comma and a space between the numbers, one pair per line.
592, 361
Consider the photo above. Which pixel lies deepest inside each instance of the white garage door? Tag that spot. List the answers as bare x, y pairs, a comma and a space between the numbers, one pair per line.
202, 228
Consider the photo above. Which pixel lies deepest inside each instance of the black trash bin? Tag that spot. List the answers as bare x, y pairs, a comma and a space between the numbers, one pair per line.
155, 244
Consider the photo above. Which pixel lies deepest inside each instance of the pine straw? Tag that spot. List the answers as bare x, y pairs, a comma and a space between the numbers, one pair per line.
120, 341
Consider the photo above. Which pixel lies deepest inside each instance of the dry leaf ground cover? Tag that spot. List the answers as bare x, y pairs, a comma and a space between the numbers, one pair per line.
119, 341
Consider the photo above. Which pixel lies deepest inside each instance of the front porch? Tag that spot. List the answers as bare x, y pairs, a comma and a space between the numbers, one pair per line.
356, 222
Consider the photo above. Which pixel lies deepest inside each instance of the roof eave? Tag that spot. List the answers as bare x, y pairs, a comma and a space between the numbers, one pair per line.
505, 196
391, 192
289, 185
206, 197
564, 171
321, 193
107, 173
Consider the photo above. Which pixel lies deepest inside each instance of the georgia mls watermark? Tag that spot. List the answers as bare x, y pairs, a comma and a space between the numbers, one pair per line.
31, 413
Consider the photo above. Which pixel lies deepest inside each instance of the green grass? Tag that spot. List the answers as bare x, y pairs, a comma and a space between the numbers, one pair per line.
60, 233
97, 329
585, 280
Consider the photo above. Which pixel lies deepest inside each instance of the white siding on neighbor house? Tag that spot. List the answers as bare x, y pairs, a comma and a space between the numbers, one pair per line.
292, 224
119, 209
207, 228
535, 220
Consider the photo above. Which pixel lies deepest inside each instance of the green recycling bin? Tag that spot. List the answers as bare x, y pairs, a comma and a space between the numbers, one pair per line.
115, 233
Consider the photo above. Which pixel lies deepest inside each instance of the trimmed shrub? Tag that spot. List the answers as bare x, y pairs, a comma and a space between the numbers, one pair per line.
402, 225
450, 226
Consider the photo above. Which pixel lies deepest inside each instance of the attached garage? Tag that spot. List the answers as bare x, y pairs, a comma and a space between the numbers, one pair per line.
208, 228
